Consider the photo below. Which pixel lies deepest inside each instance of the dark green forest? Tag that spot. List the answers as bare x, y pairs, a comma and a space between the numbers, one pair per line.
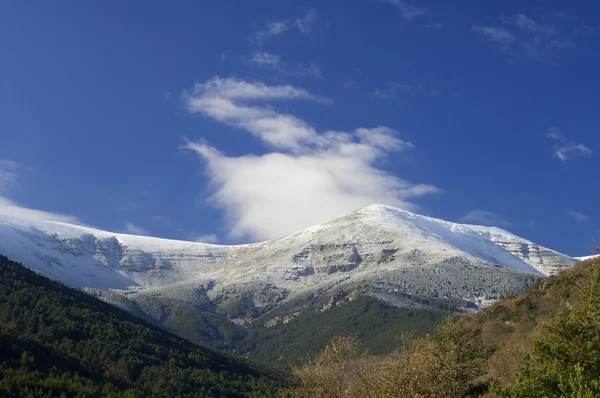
375, 323
58, 342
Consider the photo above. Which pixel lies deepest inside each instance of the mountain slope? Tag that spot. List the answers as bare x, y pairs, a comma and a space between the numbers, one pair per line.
542, 343
382, 233
55, 340
409, 260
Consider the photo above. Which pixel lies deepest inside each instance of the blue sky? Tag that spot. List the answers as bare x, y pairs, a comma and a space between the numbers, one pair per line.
231, 122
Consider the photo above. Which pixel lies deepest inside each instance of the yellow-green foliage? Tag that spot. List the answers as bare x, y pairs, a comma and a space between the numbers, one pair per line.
566, 361
544, 343
446, 364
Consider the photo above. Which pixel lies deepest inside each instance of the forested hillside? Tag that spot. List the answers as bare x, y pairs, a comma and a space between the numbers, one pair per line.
375, 322
58, 342
543, 343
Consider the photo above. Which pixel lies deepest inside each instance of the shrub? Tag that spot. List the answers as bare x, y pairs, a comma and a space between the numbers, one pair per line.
566, 361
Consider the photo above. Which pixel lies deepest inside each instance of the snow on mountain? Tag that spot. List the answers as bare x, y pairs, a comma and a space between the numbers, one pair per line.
378, 248
586, 257
84, 257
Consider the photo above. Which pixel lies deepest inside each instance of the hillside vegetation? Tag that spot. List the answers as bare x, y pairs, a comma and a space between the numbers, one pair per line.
375, 322
543, 343
58, 342
285, 335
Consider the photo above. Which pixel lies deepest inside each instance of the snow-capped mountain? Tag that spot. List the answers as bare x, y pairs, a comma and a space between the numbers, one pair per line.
584, 258
378, 250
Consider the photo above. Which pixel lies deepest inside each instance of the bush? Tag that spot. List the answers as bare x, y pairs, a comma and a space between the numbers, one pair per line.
566, 361
447, 364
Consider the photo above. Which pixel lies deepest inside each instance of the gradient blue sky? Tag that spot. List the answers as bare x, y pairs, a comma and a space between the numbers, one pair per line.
235, 122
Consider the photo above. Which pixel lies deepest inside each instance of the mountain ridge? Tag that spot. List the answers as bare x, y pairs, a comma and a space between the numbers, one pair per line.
391, 254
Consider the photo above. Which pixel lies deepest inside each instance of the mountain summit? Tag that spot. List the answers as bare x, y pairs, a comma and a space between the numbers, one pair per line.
392, 254
373, 238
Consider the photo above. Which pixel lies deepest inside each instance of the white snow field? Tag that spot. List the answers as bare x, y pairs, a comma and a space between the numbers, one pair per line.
379, 247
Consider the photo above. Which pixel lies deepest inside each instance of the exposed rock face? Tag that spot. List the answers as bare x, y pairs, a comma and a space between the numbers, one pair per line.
380, 250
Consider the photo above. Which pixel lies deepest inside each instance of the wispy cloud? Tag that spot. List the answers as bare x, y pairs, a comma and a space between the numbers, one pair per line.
133, 229
208, 238
522, 35
561, 44
225, 55
9, 208
263, 58
307, 22
525, 23
9, 170
568, 152
223, 100
408, 11
304, 25
274, 28
484, 217
307, 176
564, 149
311, 70
555, 134
578, 216
392, 88
274, 61
501, 36
565, 16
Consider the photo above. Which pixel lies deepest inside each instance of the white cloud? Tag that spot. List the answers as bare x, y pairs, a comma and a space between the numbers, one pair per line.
527, 24
208, 238
307, 178
390, 90
9, 170
484, 217
577, 216
565, 150
224, 55
311, 70
274, 28
306, 23
555, 134
264, 59
222, 100
526, 37
499, 35
568, 152
9, 208
407, 10
9, 173
236, 89
131, 228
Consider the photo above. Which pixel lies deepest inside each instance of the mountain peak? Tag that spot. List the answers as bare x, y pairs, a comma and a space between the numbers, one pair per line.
375, 242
